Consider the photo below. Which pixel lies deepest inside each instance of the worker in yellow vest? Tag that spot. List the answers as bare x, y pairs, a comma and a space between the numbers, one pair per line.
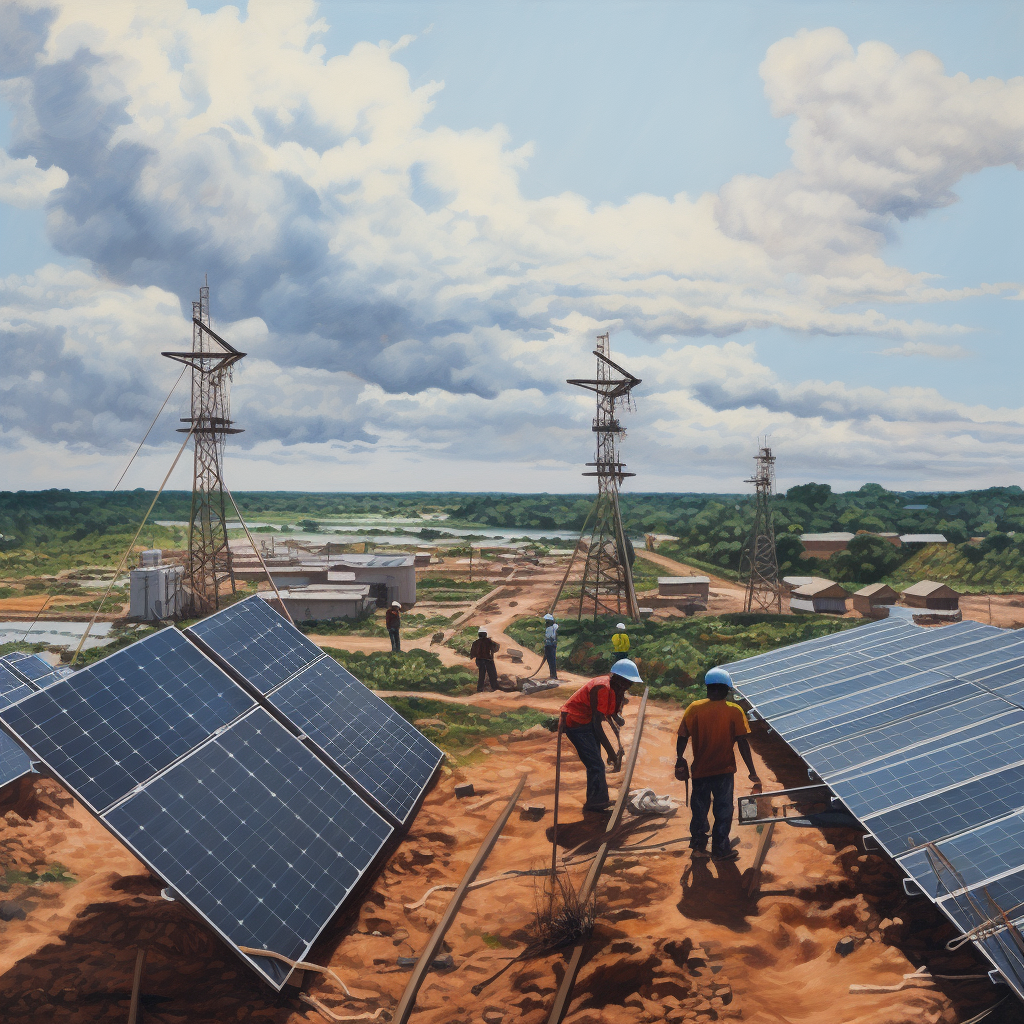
620, 643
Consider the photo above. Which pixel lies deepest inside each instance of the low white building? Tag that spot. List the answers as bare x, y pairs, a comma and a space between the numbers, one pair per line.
389, 577
322, 602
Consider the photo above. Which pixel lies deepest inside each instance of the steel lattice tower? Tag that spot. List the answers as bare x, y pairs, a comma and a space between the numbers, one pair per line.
760, 564
211, 359
606, 577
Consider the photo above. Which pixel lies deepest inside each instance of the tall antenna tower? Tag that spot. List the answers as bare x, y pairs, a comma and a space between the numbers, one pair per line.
606, 576
211, 359
760, 564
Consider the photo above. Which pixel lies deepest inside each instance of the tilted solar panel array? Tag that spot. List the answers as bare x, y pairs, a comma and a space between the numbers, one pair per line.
375, 749
231, 808
20, 675
920, 733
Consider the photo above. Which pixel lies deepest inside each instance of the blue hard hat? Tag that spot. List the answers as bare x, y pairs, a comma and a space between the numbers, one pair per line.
627, 669
718, 677
549, 617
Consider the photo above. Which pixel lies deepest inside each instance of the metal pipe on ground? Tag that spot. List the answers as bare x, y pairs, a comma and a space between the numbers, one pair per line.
419, 972
564, 995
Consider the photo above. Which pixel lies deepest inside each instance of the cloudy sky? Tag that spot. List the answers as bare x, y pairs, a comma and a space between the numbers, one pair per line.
796, 219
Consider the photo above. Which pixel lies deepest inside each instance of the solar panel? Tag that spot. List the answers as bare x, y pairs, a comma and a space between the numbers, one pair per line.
115, 724
27, 666
250, 638
259, 836
14, 761
386, 756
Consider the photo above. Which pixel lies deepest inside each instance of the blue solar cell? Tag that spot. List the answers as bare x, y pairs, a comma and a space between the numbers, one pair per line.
907, 734
258, 835
391, 760
12, 687
983, 902
262, 647
115, 724
14, 761
27, 666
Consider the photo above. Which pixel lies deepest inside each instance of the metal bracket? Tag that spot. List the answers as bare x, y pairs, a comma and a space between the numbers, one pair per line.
869, 844
911, 888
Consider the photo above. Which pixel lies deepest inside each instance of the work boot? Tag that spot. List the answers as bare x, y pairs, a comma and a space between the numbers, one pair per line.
698, 853
726, 855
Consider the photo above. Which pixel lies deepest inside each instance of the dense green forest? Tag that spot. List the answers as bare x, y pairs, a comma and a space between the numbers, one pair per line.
712, 528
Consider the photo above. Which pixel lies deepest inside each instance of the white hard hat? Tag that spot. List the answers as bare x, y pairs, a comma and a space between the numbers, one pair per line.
482, 631
549, 617
627, 669
620, 625
396, 604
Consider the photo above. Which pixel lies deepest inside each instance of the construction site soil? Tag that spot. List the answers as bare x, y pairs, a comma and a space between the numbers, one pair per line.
675, 939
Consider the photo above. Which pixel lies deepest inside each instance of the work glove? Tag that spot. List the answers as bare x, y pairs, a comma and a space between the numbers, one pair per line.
682, 770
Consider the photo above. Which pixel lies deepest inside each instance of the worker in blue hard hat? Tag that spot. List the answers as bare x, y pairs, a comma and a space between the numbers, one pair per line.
582, 715
716, 725
550, 644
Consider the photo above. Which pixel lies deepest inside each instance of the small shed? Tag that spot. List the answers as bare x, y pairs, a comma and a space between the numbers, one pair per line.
390, 577
696, 587
157, 592
929, 594
792, 582
821, 596
824, 545
870, 601
322, 603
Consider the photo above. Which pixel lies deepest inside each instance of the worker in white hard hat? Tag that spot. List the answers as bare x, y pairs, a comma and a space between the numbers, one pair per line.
482, 652
393, 621
582, 715
550, 643
620, 643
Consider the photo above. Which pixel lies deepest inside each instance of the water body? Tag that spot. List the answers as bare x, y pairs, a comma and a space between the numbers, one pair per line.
56, 633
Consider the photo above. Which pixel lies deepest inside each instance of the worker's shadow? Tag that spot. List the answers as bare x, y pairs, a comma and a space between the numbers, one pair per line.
716, 891
592, 830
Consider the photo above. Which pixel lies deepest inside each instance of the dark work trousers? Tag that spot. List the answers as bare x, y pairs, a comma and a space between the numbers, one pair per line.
396, 643
619, 655
587, 746
486, 669
716, 788
549, 656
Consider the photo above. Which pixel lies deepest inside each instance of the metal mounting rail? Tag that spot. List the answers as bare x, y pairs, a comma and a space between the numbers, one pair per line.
419, 972
564, 995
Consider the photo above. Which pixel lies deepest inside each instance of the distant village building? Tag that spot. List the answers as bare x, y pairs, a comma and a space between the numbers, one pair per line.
874, 601
931, 595
824, 545
390, 577
792, 582
821, 596
923, 538
696, 587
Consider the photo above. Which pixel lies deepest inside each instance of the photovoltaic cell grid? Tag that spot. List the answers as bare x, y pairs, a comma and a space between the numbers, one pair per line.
920, 732
27, 667
262, 647
108, 728
389, 758
20, 675
256, 833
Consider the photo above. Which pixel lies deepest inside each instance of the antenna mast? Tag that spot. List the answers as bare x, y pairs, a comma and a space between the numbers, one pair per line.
606, 581
211, 359
760, 564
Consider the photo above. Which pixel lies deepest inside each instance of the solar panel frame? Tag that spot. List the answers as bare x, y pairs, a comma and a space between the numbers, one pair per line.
233, 754
27, 667
359, 733
239, 638
86, 707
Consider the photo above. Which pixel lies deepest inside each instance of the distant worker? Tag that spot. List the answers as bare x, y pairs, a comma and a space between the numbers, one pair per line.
393, 620
550, 643
582, 715
716, 725
620, 643
482, 652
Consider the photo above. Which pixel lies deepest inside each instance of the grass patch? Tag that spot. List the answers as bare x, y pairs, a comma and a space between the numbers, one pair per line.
454, 727
414, 626
55, 872
673, 656
448, 590
420, 671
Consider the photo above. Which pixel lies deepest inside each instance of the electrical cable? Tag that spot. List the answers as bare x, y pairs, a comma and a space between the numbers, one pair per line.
151, 426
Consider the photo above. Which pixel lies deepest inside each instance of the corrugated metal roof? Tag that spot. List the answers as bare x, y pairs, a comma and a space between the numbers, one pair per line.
818, 587
874, 588
928, 587
832, 537
923, 538
683, 579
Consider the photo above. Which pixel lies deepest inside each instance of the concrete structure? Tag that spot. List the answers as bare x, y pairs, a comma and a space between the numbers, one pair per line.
792, 582
821, 596
695, 587
824, 545
931, 595
390, 577
154, 556
323, 602
157, 592
923, 538
874, 601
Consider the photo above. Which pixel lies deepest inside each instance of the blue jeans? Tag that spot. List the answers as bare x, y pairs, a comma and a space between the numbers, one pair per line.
549, 655
717, 788
583, 739
396, 643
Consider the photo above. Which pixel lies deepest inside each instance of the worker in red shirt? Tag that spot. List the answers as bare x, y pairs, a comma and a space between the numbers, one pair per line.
393, 621
482, 652
582, 715
716, 725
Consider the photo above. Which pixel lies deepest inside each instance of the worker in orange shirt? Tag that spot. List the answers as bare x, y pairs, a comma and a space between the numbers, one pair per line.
582, 715
716, 725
